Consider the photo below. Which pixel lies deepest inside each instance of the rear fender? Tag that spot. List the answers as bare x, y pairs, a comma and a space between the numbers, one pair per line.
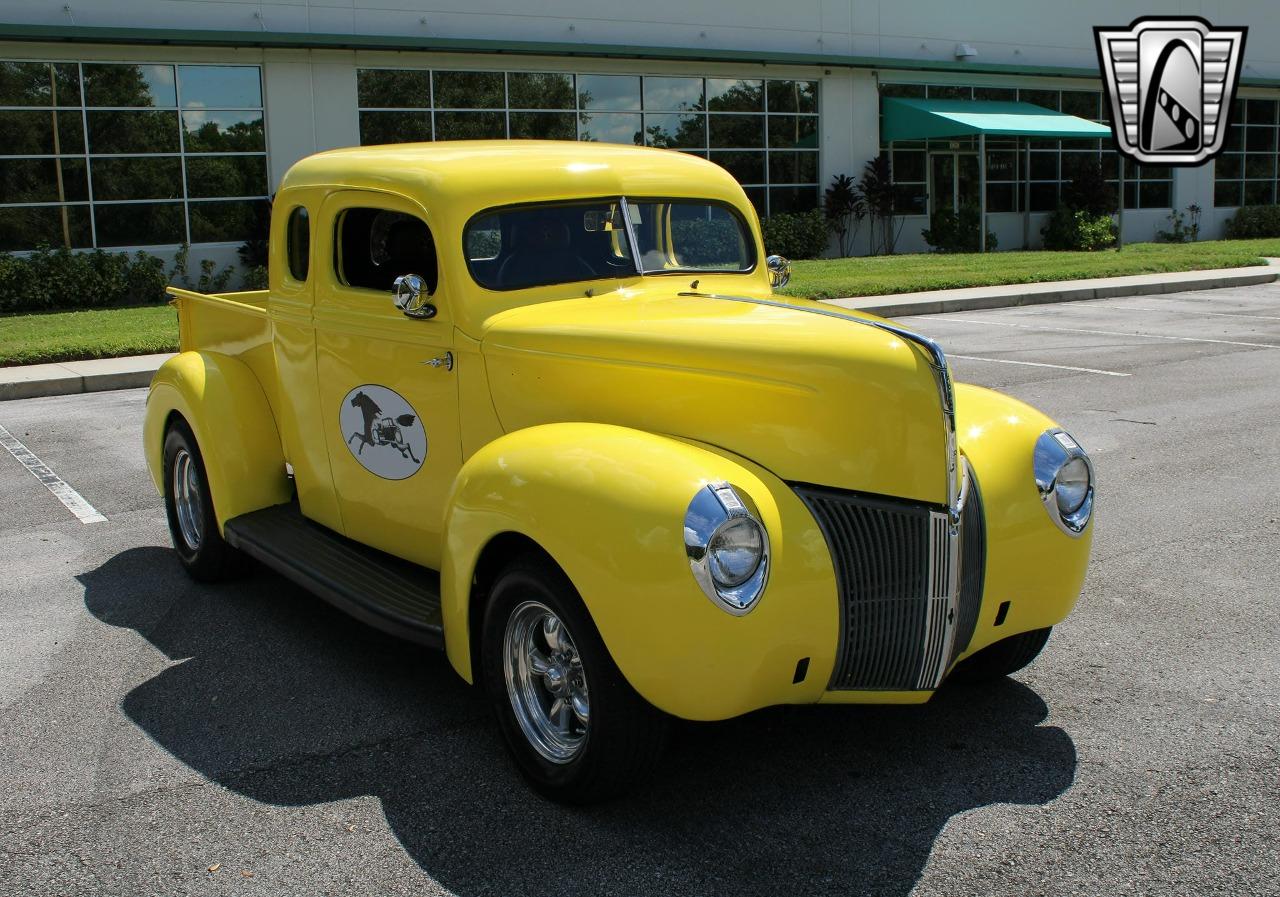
608, 504
223, 403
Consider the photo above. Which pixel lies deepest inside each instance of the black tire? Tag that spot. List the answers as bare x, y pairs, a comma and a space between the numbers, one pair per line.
1002, 658
624, 734
210, 559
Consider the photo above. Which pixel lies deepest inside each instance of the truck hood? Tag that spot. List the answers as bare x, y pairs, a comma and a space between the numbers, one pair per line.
810, 392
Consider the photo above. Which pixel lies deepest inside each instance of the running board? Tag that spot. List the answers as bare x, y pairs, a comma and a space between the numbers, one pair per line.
394, 595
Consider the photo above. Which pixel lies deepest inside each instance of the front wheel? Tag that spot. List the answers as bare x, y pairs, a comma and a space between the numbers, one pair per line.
192, 524
575, 728
1002, 658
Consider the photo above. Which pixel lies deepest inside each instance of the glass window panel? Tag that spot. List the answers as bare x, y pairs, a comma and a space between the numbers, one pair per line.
675, 130
1130, 195
36, 180
544, 125
910, 199
1080, 144
36, 83
227, 176
469, 90
1111, 166
298, 243
39, 133
133, 132
471, 125
1046, 98
143, 177
1226, 193
949, 92
1044, 197
1155, 172
129, 85
673, 94
394, 127
910, 91
1081, 103
619, 93
1260, 139
1259, 165
139, 224
1154, 194
732, 95
1044, 166
1234, 139
908, 166
224, 132
1259, 193
611, 127
223, 222
1002, 198
1002, 166
792, 199
759, 199
381, 88
1001, 94
1073, 164
737, 130
540, 90
1228, 167
29, 227
220, 86
792, 96
746, 168
793, 168
1260, 112
793, 131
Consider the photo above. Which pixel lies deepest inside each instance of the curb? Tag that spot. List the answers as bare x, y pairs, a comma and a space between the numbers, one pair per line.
65, 378
937, 302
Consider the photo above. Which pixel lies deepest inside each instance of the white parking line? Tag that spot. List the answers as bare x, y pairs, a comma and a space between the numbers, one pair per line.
1187, 311
948, 319
1039, 364
73, 500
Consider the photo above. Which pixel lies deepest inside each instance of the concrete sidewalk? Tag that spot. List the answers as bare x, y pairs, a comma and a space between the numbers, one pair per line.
30, 381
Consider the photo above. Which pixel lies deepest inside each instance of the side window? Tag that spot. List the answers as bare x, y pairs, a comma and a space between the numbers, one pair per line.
298, 243
372, 247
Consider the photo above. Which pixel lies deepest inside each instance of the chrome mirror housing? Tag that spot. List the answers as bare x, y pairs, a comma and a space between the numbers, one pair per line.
779, 270
409, 293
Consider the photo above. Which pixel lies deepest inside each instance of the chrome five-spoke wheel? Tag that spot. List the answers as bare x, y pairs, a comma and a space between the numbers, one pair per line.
546, 682
187, 499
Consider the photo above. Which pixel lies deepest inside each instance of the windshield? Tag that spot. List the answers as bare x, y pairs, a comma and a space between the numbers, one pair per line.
527, 246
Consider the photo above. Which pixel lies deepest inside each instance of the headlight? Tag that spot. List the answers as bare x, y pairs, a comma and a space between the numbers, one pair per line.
1064, 476
728, 548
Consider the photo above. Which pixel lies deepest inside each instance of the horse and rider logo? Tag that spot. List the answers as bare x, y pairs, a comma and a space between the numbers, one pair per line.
385, 434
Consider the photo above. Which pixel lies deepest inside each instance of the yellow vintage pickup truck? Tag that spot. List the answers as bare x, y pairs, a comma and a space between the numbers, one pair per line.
537, 403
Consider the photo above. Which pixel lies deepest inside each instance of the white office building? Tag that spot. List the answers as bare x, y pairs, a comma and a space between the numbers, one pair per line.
147, 123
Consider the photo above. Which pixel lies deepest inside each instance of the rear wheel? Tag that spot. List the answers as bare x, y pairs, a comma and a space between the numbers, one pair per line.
575, 728
192, 524
1002, 658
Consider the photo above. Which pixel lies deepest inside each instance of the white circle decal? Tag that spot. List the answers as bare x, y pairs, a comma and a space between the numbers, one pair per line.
383, 431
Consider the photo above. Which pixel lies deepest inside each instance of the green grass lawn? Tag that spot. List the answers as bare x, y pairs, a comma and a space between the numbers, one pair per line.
837, 278
92, 333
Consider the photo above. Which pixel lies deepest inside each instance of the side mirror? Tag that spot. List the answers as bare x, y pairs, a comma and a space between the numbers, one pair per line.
409, 292
779, 270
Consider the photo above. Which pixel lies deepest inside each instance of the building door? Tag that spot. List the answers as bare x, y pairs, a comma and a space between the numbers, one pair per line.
953, 181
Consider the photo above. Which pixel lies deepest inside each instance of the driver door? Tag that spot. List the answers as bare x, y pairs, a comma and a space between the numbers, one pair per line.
388, 388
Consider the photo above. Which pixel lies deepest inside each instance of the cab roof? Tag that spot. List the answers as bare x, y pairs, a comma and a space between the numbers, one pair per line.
467, 176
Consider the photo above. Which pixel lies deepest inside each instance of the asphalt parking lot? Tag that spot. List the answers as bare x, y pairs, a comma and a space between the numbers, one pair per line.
161, 737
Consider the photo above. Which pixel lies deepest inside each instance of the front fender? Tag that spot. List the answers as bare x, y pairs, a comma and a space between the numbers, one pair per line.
608, 504
1031, 563
223, 403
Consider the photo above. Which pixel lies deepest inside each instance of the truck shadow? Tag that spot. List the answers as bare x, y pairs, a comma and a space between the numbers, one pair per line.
285, 701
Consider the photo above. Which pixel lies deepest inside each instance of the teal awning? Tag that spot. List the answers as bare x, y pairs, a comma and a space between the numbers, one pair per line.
906, 119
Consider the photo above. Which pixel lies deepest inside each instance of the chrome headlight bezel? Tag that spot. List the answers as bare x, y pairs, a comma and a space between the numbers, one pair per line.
713, 508
1055, 449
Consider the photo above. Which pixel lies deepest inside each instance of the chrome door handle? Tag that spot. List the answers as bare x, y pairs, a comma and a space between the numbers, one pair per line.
441, 361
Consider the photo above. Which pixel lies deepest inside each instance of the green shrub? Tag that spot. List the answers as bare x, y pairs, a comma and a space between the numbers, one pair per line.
57, 279
255, 278
949, 231
1251, 222
796, 235
707, 244
1078, 230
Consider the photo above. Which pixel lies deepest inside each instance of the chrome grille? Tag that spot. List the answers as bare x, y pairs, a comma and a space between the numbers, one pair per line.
907, 606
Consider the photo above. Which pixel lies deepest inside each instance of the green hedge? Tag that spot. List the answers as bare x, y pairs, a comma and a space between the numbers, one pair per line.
1078, 230
1252, 222
58, 279
796, 235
